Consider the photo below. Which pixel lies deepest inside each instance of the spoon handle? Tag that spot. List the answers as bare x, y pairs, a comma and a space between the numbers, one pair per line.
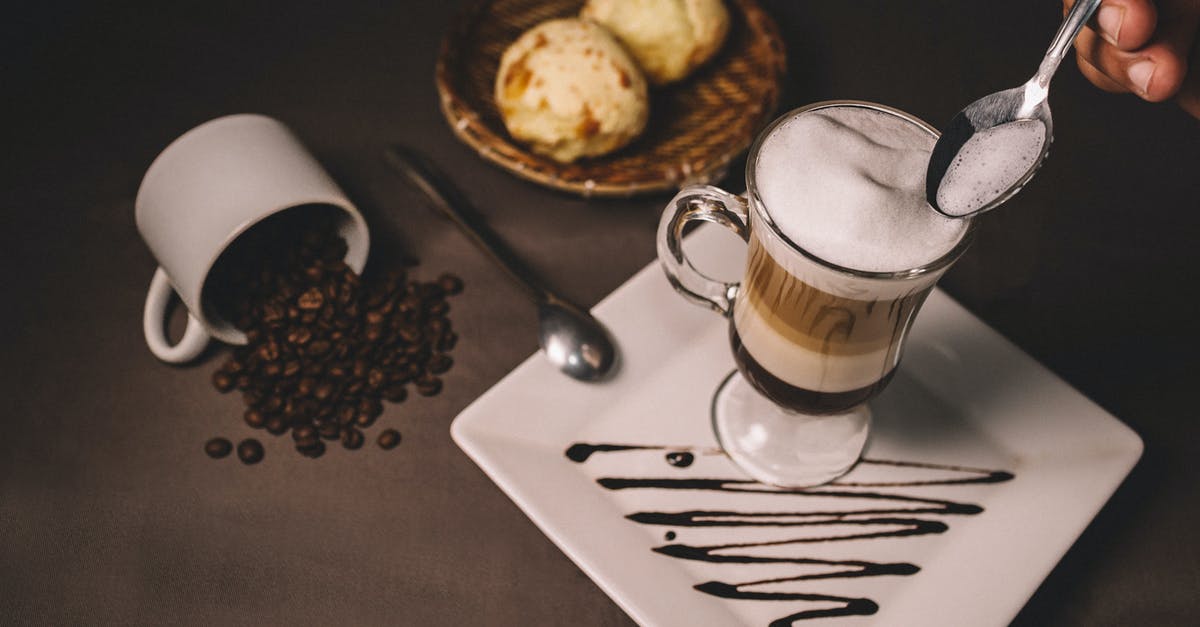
451, 203
1079, 15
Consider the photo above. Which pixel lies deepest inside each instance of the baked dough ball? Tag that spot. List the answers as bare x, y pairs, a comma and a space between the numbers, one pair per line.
568, 89
668, 38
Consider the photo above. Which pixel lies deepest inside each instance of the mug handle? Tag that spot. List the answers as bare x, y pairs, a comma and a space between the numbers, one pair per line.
195, 338
711, 204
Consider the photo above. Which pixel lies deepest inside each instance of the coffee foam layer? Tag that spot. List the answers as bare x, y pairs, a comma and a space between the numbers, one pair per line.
847, 184
989, 164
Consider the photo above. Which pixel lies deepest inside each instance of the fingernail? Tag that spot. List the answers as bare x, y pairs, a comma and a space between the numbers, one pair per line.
1141, 73
1110, 19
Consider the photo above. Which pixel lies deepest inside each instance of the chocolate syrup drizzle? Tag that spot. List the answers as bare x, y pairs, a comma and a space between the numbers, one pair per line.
680, 459
896, 516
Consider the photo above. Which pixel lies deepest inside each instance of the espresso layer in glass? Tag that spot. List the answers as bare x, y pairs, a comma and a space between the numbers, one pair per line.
795, 398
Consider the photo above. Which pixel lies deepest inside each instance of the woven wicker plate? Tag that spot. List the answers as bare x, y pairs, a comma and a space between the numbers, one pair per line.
696, 127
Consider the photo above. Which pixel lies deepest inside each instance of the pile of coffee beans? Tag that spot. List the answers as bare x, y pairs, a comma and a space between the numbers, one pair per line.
326, 346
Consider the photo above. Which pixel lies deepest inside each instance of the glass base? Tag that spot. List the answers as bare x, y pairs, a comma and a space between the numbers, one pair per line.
785, 448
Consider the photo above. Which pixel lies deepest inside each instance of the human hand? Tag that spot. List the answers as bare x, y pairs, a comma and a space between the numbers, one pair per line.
1144, 47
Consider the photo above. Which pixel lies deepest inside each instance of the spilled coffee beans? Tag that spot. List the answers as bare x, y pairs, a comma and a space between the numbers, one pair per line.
326, 346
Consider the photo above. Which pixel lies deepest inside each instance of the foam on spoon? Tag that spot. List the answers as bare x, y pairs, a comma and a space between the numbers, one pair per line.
988, 165
847, 185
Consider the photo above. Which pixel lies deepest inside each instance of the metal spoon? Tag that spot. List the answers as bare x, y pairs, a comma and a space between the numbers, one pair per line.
1025, 103
574, 341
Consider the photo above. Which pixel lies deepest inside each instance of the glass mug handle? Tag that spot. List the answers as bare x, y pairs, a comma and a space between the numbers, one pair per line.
711, 204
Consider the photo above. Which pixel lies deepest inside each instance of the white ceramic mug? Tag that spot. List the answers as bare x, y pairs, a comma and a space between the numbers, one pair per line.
206, 189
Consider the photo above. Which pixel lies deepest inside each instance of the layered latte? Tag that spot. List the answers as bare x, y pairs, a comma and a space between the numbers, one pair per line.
849, 251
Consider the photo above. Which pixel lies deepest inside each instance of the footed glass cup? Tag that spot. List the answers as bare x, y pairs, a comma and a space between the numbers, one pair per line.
813, 341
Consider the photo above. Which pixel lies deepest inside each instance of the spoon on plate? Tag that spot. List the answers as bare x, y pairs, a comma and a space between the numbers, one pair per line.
995, 145
574, 341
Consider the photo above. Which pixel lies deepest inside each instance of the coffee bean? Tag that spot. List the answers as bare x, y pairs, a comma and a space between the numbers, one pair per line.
268, 351
270, 313
388, 439
428, 385
439, 363
304, 433
447, 341
306, 386
410, 334
254, 418
276, 425
311, 299
439, 308
217, 448
450, 284
250, 451
299, 336
323, 391
222, 381
330, 431
370, 406
314, 451
395, 393
352, 438
307, 408
318, 348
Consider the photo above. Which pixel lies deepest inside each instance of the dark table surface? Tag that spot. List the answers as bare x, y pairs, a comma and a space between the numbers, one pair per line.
109, 511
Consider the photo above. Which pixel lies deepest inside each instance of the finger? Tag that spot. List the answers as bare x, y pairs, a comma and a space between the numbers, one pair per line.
1156, 71
1098, 78
1126, 24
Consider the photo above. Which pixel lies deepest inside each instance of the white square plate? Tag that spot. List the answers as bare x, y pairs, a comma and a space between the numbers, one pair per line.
982, 470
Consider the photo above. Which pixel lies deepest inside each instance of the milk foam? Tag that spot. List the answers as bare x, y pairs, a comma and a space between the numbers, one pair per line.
847, 184
990, 163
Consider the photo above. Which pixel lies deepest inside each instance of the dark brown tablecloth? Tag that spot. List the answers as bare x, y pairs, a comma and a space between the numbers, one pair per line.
109, 511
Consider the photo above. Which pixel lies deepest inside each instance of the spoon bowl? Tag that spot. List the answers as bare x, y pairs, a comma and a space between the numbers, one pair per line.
1024, 104
999, 127
574, 342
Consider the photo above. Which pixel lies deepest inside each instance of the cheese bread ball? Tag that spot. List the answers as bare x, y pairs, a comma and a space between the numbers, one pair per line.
668, 38
568, 89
